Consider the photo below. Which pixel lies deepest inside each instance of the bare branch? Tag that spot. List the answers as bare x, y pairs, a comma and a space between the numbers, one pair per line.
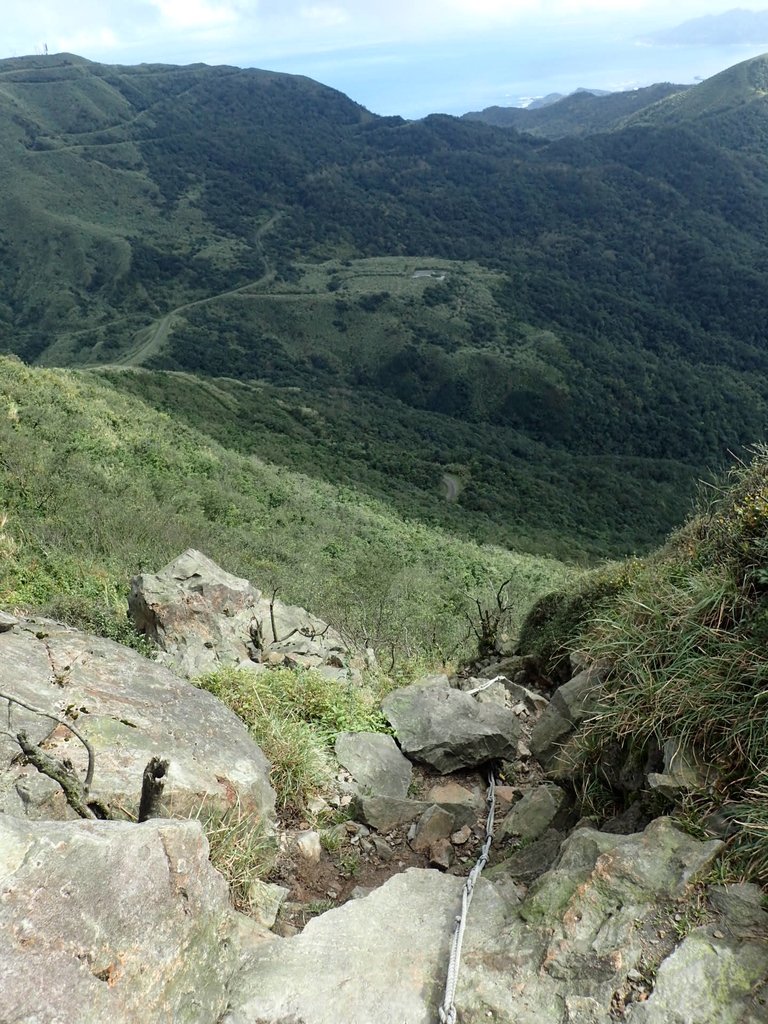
152, 786
272, 615
74, 790
60, 721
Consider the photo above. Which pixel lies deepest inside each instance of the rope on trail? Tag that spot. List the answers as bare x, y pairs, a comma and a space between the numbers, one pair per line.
448, 1009
478, 689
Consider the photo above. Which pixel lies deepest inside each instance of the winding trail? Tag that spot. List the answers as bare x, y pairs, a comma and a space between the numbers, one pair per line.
150, 339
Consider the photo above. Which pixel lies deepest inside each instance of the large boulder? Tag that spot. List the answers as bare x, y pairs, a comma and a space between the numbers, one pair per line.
130, 709
112, 923
448, 729
382, 958
202, 617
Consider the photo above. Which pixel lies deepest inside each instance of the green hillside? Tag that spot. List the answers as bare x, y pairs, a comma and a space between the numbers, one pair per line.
592, 340
97, 486
581, 113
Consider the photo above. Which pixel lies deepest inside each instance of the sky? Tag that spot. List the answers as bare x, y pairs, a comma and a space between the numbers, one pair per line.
407, 57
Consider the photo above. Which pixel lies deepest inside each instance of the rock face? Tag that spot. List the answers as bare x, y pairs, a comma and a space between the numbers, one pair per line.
375, 763
584, 929
448, 729
380, 959
583, 943
112, 923
130, 709
570, 705
202, 617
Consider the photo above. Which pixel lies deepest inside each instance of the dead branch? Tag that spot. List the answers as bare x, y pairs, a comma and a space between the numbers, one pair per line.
60, 721
74, 790
152, 785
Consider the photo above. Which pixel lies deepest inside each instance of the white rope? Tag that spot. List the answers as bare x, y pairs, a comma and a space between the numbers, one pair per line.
479, 689
448, 1009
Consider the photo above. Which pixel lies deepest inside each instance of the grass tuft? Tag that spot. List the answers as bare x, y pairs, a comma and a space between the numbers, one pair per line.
242, 849
295, 717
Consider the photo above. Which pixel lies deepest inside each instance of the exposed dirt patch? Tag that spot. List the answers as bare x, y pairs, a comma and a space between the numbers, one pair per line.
356, 859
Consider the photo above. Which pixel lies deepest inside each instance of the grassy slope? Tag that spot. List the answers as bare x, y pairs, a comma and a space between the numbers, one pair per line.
97, 486
350, 407
684, 632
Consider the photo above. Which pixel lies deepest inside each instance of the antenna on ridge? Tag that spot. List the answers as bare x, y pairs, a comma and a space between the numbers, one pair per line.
45, 49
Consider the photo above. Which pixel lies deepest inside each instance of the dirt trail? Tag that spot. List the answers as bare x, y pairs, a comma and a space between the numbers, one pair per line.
150, 339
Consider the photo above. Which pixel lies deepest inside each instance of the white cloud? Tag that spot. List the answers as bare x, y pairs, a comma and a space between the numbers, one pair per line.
258, 31
196, 14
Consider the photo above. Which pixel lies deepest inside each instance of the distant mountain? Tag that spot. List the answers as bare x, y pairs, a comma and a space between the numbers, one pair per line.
553, 97
583, 112
730, 109
731, 27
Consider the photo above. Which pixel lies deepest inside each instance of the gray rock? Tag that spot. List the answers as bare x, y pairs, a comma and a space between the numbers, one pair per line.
382, 958
434, 824
448, 729
441, 854
7, 621
566, 950
195, 612
709, 980
683, 771
202, 617
375, 763
385, 812
265, 900
464, 806
112, 923
308, 845
570, 705
383, 850
130, 709
740, 906
530, 862
534, 813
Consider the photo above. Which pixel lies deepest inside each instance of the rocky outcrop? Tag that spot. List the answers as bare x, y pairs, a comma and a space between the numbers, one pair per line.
130, 709
586, 938
583, 945
448, 729
112, 923
202, 617
380, 959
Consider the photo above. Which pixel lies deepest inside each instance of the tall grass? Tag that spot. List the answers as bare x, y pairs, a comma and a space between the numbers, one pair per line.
295, 717
687, 642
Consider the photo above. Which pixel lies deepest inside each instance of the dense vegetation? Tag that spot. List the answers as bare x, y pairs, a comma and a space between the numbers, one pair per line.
603, 297
684, 632
97, 487
581, 113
